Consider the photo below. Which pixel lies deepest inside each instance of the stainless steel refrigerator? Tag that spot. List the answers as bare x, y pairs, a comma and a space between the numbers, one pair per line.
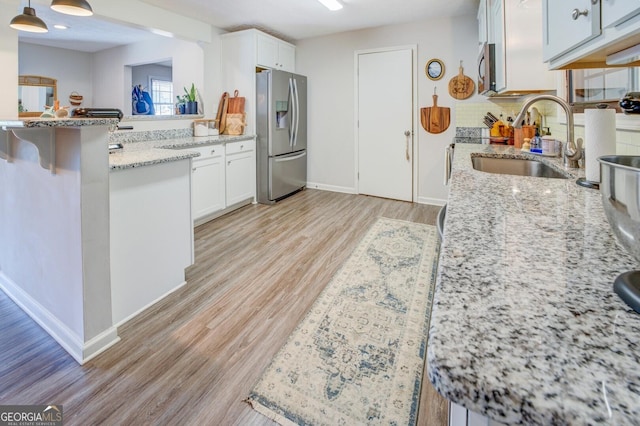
281, 127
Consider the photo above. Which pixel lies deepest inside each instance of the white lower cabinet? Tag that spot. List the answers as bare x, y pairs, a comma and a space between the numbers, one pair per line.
223, 178
460, 416
241, 171
208, 182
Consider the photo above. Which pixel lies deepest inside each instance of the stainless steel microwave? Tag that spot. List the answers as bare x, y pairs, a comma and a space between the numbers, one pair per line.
487, 70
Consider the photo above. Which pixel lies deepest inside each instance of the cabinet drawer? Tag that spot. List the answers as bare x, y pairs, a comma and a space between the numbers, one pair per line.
207, 151
240, 146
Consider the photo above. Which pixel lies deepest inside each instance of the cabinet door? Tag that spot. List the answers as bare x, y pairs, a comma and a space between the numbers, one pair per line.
496, 36
482, 23
286, 57
617, 11
207, 186
241, 177
568, 25
267, 54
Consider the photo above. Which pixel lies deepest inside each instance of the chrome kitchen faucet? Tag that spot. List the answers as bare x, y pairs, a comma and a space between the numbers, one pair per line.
571, 150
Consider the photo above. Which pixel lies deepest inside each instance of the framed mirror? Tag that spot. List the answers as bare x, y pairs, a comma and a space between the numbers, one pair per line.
434, 69
34, 93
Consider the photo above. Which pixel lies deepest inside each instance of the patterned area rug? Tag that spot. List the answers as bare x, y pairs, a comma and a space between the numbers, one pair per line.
358, 355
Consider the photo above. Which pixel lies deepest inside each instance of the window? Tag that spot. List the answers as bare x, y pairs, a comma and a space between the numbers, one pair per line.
162, 95
589, 87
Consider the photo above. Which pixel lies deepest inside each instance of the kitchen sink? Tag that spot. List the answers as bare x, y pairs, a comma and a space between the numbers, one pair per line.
516, 166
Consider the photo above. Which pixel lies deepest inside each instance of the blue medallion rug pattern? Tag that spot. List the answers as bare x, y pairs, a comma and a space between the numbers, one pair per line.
358, 356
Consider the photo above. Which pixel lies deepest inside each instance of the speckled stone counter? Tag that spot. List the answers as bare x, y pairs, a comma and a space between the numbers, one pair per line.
31, 123
526, 327
138, 154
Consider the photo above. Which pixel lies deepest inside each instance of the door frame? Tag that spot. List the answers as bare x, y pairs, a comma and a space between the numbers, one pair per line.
414, 118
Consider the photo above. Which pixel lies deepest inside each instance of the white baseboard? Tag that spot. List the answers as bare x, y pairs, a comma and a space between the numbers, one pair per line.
431, 201
80, 351
331, 188
136, 313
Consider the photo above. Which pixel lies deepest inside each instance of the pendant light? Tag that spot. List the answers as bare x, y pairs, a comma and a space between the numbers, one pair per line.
72, 7
28, 21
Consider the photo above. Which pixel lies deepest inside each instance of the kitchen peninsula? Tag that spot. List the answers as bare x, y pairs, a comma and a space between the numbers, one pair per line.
526, 327
92, 239
54, 228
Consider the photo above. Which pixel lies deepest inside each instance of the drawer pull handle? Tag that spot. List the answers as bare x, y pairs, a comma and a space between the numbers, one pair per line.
213, 151
575, 14
193, 170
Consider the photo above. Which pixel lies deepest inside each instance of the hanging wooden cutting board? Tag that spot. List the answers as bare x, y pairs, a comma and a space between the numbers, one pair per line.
236, 104
461, 86
435, 119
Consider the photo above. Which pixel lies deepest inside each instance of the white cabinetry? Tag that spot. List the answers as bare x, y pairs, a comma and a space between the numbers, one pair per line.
460, 416
617, 11
208, 181
241, 171
496, 28
274, 53
223, 178
243, 52
568, 24
518, 46
582, 33
483, 35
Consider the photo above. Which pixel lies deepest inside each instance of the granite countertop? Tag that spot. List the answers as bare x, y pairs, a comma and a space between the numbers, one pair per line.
31, 123
526, 327
146, 153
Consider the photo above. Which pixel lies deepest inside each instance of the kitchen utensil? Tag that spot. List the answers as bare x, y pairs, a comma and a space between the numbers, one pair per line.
221, 116
461, 86
620, 190
236, 104
435, 119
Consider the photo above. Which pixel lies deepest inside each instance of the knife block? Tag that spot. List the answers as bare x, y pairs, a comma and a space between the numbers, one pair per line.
520, 134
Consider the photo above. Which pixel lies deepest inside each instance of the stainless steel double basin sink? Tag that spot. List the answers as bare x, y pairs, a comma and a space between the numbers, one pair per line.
516, 166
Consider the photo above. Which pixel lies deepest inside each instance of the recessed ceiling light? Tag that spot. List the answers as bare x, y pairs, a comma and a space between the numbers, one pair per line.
61, 27
331, 4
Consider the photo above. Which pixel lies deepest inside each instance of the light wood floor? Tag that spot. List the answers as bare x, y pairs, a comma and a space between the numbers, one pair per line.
192, 358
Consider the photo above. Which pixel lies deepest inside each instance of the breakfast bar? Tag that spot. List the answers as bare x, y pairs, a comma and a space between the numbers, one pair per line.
526, 327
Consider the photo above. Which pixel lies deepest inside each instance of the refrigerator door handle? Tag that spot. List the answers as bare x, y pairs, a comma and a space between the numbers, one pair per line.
295, 157
297, 103
291, 108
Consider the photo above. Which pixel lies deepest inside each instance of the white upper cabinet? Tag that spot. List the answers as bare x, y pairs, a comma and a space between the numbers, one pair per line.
582, 33
274, 53
483, 35
514, 28
568, 24
615, 12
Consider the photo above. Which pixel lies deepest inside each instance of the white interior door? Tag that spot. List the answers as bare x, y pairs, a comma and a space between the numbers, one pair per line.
385, 124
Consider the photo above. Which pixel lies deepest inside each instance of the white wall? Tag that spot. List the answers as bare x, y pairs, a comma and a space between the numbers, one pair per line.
329, 64
113, 84
9, 61
71, 68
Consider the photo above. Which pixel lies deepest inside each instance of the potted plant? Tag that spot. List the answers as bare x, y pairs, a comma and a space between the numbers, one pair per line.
191, 106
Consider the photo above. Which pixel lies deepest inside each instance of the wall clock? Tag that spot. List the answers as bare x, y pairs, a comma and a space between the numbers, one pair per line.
434, 69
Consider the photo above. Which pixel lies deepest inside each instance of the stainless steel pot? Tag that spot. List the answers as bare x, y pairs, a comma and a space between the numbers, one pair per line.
620, 189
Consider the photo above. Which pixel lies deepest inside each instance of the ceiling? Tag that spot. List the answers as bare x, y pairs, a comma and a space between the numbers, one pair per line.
290, 20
